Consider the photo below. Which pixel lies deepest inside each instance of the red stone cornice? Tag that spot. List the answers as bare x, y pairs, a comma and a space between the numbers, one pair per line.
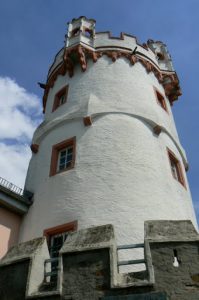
80, 55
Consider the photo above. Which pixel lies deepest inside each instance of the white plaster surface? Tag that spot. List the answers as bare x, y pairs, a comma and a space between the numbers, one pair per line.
99, 90
36, 269
122, 174
130, 42
80, 23
105, 41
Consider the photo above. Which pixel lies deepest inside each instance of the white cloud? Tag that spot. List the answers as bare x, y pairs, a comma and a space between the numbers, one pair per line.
14, 162
16, 105
20, 114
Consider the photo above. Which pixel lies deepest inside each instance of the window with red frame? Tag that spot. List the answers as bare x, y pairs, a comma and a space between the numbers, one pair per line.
176, 168
160, 99
60, 98
63, 156
56, 237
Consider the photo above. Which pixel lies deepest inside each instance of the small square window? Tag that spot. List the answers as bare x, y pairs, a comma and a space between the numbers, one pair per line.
160, 99
176, 168
60, 98
63, 156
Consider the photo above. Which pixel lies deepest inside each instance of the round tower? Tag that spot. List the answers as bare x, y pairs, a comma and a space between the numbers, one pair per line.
107, 150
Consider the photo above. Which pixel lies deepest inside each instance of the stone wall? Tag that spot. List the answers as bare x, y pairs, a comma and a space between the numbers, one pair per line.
180, 282
88, 267
13, 279
86, 275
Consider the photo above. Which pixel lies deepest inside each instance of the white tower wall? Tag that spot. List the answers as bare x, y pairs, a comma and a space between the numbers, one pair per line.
122, 173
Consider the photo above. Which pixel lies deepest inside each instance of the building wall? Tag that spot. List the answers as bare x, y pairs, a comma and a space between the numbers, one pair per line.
122, 174
108, 86
9, 230
88, 267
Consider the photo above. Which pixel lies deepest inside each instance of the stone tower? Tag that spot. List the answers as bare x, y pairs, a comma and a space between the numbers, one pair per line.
107, 151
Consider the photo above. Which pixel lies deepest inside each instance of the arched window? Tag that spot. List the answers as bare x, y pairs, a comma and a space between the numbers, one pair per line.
75, 32
88, 32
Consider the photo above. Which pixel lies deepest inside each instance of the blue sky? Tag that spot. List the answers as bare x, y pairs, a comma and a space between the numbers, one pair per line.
32, 32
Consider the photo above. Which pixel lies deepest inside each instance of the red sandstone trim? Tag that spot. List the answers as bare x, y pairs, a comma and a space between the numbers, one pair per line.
87, 121
172, 157
56, 104
55, 155
157, 129
160, 99
82, 54
34, 148
72, 226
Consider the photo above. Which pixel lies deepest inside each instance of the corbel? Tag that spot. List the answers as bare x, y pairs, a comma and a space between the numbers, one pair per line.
87, 121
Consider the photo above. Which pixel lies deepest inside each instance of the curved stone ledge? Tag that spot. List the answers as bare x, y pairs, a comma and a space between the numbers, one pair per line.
47, 127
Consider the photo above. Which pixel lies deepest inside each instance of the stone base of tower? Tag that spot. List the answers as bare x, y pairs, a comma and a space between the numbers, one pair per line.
88, 266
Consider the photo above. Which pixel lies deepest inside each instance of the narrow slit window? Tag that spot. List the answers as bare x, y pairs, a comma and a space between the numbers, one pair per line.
176, 261
88, 32
160, 100
75, 32
176, 168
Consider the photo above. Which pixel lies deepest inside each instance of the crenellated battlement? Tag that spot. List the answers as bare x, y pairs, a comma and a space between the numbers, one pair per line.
89, 268
83, 44
104, 41
109, 104
80, 30
162, 54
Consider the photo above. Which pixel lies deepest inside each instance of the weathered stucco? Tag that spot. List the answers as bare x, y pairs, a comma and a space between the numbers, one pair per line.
122, 173
9, 230
88, 266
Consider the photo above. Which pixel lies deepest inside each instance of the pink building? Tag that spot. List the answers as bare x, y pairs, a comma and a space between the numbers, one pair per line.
13, 205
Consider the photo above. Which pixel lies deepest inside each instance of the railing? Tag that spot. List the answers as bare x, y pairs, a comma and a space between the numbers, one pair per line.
10, 186
134, 261
53, 265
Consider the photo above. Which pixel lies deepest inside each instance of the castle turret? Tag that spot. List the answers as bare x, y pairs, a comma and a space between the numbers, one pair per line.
107, 150
81, 31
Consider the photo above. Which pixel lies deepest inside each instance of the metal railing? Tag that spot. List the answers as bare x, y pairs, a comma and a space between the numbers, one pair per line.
51, 264
133, 261
10, 186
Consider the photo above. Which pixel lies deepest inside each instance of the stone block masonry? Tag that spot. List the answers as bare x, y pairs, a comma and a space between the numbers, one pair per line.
89, 266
